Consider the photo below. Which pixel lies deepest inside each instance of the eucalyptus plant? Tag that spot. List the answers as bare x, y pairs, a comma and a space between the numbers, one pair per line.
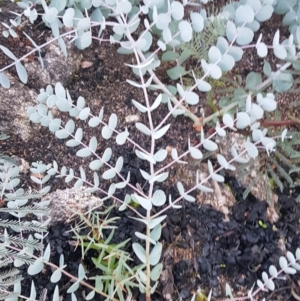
156, 31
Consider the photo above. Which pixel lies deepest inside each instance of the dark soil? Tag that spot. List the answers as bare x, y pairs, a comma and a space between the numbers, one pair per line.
201, 248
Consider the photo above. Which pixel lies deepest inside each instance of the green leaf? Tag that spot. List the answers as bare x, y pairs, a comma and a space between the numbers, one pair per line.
267, 68
176, 72
169, 56
253, 79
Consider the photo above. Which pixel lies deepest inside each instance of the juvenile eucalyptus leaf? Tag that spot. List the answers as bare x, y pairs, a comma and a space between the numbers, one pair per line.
214, 54
155, 221
144, 156
262, 50
168, 56
191, 97
121, 137
231, 31
156, 102
265, 12
186, 31
180, 188
4, 81
95, 121
8, 53
160, 155
109, 174
204, 188
155, 254
161, 132
215, 71
145, 175
74, 287
84, 113
210, 145
145, 203
159, 198
84, 152
251, 149
140, 107
90, 295
78, 184
159, 178
93, 144
156, 233
244, 13
203, 86
56, 276
144, 237
244, 36
217, 177
68, 17
36, 267
56, 296
106, 132
177, 10
197, 21
236, 52
22, 73
222, 44
222, 161
227, 120
243, 120
140, 252
142, 128
176, 72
